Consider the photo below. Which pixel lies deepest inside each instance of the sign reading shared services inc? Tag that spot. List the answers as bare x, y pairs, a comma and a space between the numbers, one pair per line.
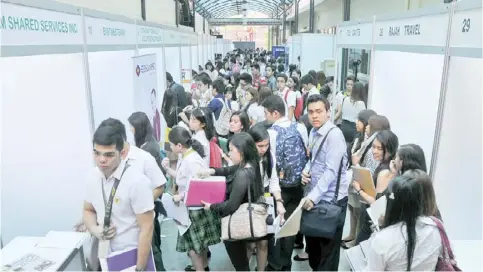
149, 35
355, 34
466, 29
22, 25
107, 32
429, 30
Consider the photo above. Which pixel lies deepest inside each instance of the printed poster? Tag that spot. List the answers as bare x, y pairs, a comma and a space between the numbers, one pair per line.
147, 97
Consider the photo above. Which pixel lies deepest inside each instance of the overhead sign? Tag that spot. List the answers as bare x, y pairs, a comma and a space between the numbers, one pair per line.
428, 30
20, 25
101, 31
149, 35
466, 29
355, 34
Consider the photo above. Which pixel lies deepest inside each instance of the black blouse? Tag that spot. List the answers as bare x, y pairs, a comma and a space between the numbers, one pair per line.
237, 188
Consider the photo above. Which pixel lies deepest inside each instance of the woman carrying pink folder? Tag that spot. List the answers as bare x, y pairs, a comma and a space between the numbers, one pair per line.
205, 229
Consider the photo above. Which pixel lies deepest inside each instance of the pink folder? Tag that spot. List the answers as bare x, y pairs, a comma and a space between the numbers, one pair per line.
211, 190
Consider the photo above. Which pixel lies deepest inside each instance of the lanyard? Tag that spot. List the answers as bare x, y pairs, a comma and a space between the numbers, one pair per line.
108, 204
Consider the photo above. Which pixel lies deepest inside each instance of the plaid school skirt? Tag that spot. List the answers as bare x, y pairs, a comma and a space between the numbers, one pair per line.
205, 231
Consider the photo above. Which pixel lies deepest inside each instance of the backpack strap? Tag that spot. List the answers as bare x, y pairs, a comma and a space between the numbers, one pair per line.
286, 95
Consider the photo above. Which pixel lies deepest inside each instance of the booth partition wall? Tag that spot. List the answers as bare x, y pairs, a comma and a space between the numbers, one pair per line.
65, 69
426, 69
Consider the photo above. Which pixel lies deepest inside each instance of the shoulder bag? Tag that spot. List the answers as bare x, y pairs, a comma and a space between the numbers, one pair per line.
234, 226
446, 261
324, 218
93, 257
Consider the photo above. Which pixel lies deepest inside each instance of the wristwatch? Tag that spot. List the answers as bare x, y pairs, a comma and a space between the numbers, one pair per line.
139, 269
279, 200
359, 191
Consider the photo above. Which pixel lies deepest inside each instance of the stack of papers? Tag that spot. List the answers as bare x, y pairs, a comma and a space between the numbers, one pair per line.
377, 210
291, 226
179, 213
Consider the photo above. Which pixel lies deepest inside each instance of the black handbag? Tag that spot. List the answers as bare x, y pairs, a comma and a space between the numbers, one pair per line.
324, 218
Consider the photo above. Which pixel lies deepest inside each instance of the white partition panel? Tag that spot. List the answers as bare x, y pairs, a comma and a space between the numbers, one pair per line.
314, 49
186, 66
457, 168
112, 86
46, 144
408, 70
194, 57
458, 177
409, 102
173, 64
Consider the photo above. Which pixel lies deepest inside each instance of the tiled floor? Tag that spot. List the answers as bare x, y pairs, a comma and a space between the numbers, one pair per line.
175, 261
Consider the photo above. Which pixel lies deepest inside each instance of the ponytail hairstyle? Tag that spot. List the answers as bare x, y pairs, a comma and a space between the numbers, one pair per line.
206, 119
180, 135
259, 133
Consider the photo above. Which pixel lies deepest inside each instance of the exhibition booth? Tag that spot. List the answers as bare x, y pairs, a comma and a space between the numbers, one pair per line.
426, 78
65, 69
313, 50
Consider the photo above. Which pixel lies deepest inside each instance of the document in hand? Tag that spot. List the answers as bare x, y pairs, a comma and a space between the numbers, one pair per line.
356, 256
125, 261
377, 210
291, 226
211, 190
364, 177
178, 212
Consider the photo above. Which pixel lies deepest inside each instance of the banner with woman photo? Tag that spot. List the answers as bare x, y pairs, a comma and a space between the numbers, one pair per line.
147, 97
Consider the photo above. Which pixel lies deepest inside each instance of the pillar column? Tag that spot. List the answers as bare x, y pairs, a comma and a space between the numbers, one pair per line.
312, 16
346, 11
297, 16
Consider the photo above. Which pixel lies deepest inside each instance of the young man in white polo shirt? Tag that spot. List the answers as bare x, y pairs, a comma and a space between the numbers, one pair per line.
145, 164
288, 96
131, 219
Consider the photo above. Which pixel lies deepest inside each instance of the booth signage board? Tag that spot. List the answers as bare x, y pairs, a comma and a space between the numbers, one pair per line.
278, 51
149, 35
101, 31
466, 29
186, 76
426, 30
185, 40
20, 25
171, 37
355, 34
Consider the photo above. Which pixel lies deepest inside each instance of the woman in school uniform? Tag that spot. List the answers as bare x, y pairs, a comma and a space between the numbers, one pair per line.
205, 229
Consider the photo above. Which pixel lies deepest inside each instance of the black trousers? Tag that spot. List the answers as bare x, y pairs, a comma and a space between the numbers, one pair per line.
324, 253
237, 252
365, 231
349, 130
280, 254
156, 245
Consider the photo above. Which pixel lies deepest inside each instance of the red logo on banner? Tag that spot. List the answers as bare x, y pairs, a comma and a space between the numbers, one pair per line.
138, 70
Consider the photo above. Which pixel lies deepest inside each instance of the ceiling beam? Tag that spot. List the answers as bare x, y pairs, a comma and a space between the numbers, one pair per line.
243, 21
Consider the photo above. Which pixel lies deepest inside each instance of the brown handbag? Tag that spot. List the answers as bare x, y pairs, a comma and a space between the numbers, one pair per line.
248, 222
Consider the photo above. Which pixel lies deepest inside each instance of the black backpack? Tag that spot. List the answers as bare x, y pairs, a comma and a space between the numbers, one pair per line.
170, 107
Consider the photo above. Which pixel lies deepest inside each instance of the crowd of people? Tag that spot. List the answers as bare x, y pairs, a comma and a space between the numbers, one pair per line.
272, 133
